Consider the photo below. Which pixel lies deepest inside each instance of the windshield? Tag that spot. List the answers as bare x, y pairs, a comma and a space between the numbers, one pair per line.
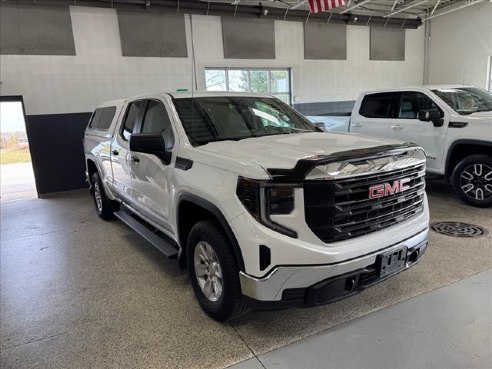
207, 119
466, 100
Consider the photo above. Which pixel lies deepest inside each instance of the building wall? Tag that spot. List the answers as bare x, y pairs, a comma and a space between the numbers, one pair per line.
99, 72
461, 45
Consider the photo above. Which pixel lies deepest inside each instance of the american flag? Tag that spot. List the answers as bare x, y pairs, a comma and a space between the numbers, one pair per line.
317, 6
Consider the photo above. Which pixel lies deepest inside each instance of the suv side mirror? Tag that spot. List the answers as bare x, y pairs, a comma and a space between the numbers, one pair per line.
149, 143
320, 125
431, 115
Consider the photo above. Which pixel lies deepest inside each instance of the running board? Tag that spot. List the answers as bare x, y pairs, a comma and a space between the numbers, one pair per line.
162, 244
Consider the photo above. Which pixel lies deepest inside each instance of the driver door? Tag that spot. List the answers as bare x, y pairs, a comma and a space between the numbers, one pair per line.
406, 127
151, 176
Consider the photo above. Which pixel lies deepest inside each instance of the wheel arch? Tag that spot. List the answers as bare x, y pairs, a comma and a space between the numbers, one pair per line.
191, 209
460, 149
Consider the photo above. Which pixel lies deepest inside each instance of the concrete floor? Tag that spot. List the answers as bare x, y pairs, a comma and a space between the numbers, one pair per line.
412, 334
78, 292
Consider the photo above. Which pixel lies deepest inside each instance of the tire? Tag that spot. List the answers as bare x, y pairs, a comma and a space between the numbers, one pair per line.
103, 205
208, 245
472, 180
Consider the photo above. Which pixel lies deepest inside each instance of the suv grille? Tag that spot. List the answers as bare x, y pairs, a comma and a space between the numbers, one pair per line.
340, 209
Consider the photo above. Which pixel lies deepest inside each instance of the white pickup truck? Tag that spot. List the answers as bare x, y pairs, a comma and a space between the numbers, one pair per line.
261, 207
452, 123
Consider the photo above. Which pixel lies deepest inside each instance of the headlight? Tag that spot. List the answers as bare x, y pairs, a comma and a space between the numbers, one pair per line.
264, 198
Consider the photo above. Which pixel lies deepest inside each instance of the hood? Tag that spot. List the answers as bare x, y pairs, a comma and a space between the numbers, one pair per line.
283, 151
485, 116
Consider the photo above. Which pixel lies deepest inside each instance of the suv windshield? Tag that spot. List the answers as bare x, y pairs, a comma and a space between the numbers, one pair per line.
466, 100
207, 119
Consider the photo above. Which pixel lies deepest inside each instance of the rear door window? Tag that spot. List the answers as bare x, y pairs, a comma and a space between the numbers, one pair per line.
102, 118
132, 115
380, 105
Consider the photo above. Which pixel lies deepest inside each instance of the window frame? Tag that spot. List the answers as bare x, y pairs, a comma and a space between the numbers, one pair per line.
249, 70
394, 110
103, 109
402, 95
140, 124
138, 120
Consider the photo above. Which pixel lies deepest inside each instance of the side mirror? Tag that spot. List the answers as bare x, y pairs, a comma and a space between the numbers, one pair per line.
150, 144
320, 125
431, 115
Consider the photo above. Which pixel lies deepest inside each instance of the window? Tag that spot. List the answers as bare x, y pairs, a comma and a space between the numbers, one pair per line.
466, 100
412, 102
207, 119
102, 118
157, 121
132, 114
382, 105
269, 81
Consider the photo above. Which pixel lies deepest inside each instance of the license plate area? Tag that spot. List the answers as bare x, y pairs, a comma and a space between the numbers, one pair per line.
392, 261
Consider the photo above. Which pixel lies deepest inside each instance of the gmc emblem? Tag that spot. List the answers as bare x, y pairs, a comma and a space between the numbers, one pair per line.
386, 189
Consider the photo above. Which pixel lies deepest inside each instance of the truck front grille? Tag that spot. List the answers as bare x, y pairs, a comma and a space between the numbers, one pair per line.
341, 209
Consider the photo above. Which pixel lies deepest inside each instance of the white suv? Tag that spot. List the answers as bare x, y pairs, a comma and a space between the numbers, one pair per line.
262, 208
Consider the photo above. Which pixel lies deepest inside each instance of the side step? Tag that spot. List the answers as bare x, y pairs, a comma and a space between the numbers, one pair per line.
164, 245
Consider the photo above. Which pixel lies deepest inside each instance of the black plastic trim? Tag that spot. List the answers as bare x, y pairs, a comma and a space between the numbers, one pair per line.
457, 124
183, 163
219, 216
304, 166
462, 142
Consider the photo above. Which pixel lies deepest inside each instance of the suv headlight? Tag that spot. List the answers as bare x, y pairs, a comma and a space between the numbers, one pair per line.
264, 198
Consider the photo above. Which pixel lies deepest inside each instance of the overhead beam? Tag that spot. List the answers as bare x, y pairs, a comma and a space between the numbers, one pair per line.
469, 3
355, 6
405, 8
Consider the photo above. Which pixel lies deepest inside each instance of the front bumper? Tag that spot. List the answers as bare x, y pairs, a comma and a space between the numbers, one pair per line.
319, 284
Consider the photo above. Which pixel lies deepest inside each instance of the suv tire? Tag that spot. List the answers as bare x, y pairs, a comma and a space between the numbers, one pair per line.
472, 180
103, 205
214, 272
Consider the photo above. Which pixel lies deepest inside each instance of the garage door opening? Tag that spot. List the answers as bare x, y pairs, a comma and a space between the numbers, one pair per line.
16, 173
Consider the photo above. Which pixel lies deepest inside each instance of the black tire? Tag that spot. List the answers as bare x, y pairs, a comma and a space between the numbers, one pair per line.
230, 304
105, 208
471, 184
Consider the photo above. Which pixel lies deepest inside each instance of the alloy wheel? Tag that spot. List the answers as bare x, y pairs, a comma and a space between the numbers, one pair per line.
476, 181
208, 271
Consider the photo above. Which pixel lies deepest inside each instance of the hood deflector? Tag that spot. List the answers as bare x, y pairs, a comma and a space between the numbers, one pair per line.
305, 165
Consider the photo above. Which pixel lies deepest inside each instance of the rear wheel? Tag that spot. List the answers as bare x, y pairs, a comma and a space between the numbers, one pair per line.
472, 180
103, 205
214, 272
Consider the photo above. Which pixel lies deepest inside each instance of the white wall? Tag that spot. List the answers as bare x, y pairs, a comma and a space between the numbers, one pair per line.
461, 43
63, 84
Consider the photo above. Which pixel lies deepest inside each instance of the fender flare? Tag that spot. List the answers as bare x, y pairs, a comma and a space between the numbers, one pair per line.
447, 170
211, 208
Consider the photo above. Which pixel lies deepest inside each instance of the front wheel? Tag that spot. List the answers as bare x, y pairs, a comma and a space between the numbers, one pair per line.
214, 272
472, 180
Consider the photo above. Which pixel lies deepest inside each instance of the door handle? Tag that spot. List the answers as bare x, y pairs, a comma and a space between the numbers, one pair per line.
357, 125
115, 152
135, 159
397, 126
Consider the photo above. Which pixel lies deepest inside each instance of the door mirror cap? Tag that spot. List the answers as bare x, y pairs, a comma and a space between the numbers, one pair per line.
150, 144
320, 125
431, 115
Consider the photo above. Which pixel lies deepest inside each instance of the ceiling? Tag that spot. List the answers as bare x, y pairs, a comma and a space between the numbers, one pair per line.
384, 8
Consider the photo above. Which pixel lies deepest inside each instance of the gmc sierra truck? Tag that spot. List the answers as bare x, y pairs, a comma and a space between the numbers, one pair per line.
261, 207
453, 124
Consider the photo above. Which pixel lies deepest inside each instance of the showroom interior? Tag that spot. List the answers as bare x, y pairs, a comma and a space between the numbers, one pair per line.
78, 291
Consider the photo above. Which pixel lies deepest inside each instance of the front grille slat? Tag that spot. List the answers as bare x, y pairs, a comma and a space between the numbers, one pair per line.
340, 209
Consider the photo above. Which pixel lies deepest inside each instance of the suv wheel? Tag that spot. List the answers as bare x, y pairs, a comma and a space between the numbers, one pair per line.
214, 272
472, 180
103, 205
